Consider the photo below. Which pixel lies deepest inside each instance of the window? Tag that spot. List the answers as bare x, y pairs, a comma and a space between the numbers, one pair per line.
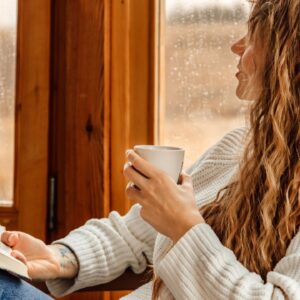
197, 102
24, 103
8, 33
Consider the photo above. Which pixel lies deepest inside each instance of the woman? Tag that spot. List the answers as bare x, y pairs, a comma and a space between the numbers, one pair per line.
230, 229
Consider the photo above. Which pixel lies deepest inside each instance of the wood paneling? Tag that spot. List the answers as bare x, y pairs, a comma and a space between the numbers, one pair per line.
80, 136
132, 82
78, 114
132, 89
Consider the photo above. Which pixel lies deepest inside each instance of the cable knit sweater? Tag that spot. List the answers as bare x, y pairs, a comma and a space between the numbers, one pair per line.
198, 266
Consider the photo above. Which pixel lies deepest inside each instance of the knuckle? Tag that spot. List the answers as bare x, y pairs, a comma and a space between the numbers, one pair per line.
151, 191
159, 178
156, 179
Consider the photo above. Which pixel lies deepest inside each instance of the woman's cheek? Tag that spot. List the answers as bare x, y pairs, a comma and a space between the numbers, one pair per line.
248, 62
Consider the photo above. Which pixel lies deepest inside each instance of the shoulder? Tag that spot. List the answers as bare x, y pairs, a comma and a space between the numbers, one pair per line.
294, 247
228, 149
217, 167
231, 142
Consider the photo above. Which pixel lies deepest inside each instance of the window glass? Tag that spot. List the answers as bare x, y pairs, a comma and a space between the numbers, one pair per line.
8, 33
197, 83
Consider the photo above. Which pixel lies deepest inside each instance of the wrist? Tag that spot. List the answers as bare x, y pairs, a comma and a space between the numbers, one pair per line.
186, 224
54, 258
67, 264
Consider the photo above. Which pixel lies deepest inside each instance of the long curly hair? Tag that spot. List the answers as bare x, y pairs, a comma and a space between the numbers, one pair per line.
258, 214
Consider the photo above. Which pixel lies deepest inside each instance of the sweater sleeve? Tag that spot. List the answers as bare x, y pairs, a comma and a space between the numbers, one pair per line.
105, 248
200, 267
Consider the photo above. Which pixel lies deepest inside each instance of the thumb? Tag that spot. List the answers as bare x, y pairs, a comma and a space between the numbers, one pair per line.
185, 179
10, 238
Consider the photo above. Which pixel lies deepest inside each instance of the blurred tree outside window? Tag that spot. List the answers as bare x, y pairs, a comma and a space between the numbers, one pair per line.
196, 80
8, 37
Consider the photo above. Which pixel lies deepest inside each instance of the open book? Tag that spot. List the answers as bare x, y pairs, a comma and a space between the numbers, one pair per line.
11, 264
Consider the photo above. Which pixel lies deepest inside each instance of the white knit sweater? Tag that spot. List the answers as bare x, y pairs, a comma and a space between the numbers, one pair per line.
198, 266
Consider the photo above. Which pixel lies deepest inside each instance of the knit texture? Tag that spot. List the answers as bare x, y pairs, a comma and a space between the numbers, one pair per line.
198, 266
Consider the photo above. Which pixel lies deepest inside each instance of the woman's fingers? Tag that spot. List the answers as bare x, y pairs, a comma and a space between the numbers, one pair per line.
141, 164
133, 193
133, 175
10, 238
185, 179
18, 255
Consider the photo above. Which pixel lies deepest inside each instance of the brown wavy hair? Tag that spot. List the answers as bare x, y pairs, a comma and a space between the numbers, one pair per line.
258, 214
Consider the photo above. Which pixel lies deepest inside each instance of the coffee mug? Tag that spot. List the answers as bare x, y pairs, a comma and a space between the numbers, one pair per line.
167, 159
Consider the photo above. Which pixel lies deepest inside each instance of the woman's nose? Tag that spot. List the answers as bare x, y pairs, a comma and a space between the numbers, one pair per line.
238, 47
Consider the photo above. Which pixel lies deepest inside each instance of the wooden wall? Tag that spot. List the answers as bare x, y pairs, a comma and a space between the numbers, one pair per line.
79, 136
78, 114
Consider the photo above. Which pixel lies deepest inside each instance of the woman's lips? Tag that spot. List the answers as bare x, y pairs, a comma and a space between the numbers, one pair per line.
241, 76
237, 74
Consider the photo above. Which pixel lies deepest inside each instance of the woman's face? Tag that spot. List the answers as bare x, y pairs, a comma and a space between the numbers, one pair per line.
249, 66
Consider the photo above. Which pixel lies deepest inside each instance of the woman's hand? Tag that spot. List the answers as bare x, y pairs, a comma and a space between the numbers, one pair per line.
169, 207
43, 262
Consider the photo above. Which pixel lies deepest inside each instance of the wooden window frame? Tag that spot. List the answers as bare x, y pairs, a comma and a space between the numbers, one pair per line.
129, 105
132, 86
28, 212
132, 94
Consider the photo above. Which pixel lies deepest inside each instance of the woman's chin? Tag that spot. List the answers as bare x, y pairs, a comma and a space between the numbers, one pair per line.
246, 91
240, 95
243, 95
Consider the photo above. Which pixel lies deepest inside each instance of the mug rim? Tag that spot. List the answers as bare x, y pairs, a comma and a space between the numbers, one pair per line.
157, 148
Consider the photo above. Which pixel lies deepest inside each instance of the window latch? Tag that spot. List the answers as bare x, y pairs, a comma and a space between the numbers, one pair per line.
52, 203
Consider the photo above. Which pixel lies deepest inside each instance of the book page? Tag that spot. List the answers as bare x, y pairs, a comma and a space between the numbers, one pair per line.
8, 262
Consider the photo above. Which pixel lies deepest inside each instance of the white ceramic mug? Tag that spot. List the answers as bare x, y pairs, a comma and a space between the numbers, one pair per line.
167, 159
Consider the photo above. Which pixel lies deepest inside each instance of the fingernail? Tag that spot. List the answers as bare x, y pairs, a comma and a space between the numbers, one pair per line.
129, 151
127, 165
